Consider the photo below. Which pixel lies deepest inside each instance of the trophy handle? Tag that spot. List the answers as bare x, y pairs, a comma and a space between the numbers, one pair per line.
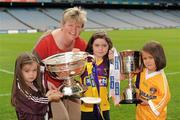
82, 86
90, 58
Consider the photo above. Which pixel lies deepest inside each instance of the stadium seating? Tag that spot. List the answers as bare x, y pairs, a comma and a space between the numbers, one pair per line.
7, 22
46, 18
34, 18
114, 1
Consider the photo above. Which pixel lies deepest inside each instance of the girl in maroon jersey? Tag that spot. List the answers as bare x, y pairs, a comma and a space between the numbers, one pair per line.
28, 96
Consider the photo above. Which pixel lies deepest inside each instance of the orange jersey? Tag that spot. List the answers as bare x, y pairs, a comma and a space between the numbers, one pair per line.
154, 88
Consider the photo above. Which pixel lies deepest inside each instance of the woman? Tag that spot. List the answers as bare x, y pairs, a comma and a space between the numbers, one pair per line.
62, 40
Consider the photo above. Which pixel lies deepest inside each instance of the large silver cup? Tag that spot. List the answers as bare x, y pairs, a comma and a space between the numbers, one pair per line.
130, 64
66, 66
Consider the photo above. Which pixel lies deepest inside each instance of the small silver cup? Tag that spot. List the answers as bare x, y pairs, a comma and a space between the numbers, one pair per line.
130, 64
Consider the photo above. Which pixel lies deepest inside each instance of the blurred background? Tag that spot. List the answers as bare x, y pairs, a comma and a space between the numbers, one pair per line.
42, 15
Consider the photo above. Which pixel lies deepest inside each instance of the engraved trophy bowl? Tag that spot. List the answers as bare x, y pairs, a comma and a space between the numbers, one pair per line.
130, 64
67, 66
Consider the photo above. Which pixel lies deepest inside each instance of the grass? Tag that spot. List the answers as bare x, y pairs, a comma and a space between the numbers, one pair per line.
11, 45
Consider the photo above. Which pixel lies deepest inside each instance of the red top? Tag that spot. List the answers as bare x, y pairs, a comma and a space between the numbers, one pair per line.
47, 47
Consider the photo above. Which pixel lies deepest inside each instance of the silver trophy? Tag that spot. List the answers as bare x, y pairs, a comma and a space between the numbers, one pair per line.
130, 64
67, 66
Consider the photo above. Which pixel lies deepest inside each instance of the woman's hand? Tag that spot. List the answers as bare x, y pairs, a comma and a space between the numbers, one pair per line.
76, 50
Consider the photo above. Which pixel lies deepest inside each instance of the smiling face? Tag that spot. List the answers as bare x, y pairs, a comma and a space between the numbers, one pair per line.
72, 23
148, 61
71, 29
100, 48
29, 72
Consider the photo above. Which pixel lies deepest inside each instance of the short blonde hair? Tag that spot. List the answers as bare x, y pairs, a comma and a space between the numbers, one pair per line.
75, 13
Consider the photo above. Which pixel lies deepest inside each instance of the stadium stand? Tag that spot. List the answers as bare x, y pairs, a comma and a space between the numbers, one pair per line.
42, 18
151, 17
126, 16
34, 18
7, 22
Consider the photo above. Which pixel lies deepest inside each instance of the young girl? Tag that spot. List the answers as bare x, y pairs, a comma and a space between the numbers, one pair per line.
152, 84
95, 78
27, 91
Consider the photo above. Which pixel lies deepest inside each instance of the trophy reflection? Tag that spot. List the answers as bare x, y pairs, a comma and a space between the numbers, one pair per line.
130, 63
67, 66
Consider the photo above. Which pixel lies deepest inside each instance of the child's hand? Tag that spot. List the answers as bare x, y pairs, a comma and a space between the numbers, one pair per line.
144, 102
50, 92
54, 95
123, 76
138, 70
111, 55
139, 98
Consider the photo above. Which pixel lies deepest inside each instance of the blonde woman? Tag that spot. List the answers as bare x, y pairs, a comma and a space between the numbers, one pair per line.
61, 40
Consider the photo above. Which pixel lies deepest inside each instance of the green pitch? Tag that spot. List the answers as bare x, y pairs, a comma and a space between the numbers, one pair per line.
12, 45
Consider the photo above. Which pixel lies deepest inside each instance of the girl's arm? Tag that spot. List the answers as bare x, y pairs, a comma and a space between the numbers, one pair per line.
159, 103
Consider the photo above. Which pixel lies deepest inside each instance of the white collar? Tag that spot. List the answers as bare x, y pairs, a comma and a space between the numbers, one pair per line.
152, 74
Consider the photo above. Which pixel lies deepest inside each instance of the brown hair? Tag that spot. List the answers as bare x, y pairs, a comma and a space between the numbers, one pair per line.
24, 59
96, 35
156, 50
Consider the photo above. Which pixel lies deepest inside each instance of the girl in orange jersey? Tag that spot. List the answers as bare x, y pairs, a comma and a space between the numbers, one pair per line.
153, 89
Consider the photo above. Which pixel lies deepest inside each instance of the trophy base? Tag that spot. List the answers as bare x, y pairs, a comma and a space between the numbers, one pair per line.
74, 88
71, 90
133, 101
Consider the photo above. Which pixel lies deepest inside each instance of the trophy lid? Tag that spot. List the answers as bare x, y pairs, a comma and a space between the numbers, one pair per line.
126, 53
